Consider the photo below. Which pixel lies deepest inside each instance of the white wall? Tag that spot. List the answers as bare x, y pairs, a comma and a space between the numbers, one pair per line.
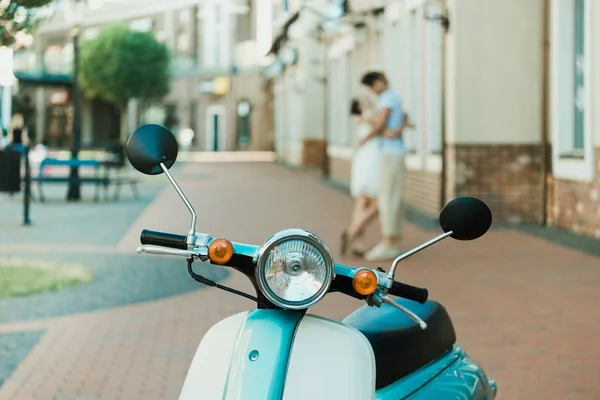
494, 69
311, 74
596, 82
301, 92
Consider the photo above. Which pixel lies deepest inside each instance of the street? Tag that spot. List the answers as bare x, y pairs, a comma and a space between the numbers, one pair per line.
524, 308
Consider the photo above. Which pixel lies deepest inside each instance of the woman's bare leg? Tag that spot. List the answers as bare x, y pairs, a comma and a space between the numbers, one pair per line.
348, 235
361, 220
360, 205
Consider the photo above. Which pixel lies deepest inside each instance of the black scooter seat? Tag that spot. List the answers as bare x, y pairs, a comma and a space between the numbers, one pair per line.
399, 344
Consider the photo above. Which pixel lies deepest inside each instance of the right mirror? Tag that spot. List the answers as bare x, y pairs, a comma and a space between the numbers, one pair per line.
467, 217
149, 146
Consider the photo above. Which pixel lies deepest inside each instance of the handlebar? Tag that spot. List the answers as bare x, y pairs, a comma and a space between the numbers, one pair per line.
409, 292
164, 239
179, 242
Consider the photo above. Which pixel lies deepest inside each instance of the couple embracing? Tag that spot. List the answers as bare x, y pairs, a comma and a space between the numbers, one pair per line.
378, 172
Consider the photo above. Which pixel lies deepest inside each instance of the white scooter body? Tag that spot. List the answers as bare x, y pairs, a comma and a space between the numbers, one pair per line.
327, 360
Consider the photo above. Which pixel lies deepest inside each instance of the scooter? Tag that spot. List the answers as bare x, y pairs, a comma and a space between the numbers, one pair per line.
391, 348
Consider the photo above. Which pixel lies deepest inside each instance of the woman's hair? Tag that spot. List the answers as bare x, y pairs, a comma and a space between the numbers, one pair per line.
355, 108
371, 77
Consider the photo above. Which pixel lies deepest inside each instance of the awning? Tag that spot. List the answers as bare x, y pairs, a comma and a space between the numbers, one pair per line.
282, 37
43, 79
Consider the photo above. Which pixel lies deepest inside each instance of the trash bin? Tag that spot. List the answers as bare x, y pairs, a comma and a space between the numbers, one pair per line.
10, 170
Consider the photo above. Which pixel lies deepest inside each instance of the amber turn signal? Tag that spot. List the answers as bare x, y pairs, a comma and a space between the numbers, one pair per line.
364, 282
220, 251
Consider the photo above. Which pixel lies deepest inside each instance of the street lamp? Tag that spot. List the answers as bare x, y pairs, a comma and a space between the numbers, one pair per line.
74, 15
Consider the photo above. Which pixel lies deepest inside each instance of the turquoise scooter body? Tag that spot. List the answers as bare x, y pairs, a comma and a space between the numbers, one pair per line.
452, 375
390, 349
448, 375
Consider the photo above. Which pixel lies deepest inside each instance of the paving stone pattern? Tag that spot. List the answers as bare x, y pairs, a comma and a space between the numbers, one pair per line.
524, 308
14, 347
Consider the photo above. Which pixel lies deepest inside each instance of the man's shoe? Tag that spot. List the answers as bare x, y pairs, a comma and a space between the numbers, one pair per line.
383, 252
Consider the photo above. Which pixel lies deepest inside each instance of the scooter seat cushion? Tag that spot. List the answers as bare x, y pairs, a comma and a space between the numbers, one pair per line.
400, 345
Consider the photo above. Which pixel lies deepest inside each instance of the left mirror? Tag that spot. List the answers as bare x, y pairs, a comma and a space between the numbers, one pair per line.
149, 146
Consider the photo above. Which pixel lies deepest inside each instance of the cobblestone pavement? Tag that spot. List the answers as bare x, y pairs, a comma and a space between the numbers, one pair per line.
524, 308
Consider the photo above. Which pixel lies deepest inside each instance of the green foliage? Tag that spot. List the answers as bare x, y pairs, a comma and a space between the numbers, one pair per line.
19, 16
120, 64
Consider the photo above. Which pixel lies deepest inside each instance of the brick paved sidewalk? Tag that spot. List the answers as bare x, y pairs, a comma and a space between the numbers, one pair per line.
523, 308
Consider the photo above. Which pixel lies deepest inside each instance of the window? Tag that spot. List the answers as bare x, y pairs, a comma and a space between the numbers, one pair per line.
215, 139
573, 151
332, 105
578, 78
339, 102
433, 62
58, 59
141, 25
412, 98
184, 39
344, 115
216, 36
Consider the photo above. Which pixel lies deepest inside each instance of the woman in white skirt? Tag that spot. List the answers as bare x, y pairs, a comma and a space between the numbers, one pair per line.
364, 181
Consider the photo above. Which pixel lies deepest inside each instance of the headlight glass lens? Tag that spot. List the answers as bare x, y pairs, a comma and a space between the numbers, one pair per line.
295, 273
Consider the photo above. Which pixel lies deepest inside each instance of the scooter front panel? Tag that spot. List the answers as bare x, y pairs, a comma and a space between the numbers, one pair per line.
329, 360
243, 357
207, 376
260, 360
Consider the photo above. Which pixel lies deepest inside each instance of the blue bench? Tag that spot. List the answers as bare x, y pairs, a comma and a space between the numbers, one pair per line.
97, 179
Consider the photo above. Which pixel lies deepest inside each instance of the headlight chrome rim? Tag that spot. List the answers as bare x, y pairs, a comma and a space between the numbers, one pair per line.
278, 238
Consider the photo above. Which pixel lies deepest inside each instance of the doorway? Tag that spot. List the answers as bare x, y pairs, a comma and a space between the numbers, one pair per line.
244, 109
215, 128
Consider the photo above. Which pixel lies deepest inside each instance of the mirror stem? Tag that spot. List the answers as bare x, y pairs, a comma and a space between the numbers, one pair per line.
415, 251
191, 238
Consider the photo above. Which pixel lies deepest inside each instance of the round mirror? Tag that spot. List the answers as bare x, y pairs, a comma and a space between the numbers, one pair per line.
467, 217
149, 146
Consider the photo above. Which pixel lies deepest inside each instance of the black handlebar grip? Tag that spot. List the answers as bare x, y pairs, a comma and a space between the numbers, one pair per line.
409, 292
164, 239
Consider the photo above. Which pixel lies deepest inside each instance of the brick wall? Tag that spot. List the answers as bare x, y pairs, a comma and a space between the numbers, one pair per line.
422, 190
575, 205
313, 152
507, 177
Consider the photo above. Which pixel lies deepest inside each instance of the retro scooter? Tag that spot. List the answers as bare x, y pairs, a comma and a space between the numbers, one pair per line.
391, 348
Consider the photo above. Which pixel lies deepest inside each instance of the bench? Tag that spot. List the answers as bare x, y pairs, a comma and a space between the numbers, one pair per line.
116, 162
73, 162
119, 179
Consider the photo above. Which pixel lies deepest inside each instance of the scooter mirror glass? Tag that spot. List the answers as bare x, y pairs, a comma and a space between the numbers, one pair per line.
149, 146
467, 217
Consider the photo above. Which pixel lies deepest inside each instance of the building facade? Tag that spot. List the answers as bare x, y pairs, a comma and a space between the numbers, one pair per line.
299, 79
502, 94
217, 89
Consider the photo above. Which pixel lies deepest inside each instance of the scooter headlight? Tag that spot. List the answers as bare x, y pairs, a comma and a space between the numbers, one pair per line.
294, 269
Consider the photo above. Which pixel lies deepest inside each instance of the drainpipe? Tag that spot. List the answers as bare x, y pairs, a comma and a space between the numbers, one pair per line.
545, 137
326, 168
444, 178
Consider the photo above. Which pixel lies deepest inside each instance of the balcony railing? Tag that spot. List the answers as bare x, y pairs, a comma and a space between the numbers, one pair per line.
28, 62
31, 63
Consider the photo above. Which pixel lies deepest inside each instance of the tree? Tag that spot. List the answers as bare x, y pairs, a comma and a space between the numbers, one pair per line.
19, 16
120, 64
